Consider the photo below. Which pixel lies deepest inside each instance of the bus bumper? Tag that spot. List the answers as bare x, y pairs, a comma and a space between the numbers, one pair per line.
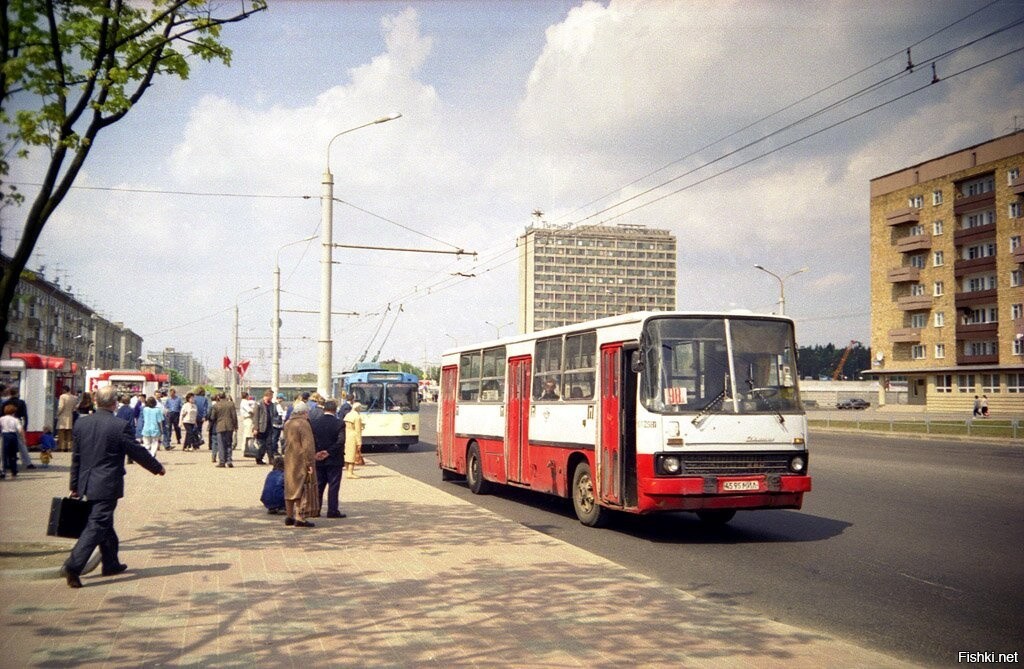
722, 492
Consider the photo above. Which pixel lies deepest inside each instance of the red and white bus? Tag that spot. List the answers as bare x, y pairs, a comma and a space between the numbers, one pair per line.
641, 413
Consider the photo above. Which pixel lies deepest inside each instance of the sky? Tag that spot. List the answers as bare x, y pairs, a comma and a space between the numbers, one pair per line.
750, 130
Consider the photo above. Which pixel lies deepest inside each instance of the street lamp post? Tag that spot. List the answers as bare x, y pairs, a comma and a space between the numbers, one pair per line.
234, 352
275, 363
782, 285
323, 376
497, 328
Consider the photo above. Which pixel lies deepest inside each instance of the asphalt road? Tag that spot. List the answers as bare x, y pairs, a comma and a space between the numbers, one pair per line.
908, 546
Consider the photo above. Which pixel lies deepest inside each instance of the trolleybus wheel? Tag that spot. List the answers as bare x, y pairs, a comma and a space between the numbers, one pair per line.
475, 472
587, 508
716, 516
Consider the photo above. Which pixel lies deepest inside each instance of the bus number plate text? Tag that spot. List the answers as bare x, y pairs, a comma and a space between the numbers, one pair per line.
740, 486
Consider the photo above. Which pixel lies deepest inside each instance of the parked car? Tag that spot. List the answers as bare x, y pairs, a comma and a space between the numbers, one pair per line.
854, 403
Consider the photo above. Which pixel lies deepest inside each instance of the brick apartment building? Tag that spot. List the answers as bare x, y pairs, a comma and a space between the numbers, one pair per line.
947, 278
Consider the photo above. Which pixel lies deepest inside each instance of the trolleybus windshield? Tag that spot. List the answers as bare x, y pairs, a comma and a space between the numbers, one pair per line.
714, 365
389, 396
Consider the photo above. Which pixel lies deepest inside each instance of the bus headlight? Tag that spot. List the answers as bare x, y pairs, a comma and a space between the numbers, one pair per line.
671, 464
798, 464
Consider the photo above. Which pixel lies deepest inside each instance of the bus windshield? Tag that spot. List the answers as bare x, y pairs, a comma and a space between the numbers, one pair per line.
403, 397
719, 365
386, 396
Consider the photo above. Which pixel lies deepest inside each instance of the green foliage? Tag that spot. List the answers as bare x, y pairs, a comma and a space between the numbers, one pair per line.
176, 378
818, 360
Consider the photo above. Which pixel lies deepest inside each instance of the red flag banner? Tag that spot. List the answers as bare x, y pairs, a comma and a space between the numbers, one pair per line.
242, 368
227, 362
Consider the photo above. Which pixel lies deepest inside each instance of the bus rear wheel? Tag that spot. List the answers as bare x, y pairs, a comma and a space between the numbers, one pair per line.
478, 485
716, 516
584, 502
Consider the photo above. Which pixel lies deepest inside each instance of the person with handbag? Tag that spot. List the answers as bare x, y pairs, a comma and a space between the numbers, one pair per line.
300, 488
101, 443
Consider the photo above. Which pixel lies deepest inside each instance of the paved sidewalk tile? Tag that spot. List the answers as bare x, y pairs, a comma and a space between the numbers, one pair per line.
413, 577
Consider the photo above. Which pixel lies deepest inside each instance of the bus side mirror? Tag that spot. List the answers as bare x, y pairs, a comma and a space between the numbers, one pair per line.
636, 363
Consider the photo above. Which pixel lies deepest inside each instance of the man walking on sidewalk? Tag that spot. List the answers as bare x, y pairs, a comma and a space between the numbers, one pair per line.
329, 435
101, 442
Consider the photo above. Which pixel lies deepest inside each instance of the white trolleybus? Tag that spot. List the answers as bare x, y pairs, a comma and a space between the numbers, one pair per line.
641, 413
391, 409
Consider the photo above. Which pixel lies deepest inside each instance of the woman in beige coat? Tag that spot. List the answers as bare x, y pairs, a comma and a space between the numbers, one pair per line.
299, 468
353, 438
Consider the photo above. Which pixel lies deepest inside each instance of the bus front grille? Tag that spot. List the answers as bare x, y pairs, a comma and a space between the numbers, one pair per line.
726, 464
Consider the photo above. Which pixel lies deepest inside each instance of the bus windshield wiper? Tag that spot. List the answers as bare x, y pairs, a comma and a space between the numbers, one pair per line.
698, 420
759, 392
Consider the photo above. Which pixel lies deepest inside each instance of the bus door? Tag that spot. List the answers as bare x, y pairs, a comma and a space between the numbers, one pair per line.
517, 420
446, 438
609, 460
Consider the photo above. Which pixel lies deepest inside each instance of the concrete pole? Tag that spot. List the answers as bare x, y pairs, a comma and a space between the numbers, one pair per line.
323, 375
234, 361
275, 365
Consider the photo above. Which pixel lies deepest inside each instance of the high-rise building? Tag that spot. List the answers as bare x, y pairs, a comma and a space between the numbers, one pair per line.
568, 275
180, 361
947, 278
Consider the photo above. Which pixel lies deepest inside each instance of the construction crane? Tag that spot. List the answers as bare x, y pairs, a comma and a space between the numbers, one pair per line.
842, 361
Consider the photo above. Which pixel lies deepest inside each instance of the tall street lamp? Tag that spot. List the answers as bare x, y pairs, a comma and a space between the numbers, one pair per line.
497, 328
782, 285
323, 376
234, 353
275, 363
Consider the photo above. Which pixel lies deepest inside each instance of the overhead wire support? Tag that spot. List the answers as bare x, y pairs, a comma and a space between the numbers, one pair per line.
457, 252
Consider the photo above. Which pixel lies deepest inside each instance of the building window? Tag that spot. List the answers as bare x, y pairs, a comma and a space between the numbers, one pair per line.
979, 348
940, 351
1016, 278
1014, 210
917, 352
976, 284
986, 250
915, 201
940, 319
1015, 383
990, 383
940, 289
981, 315
965, 383
1018, 346
978, 186
1012, 175
1016, 311
917, 261
937, 228
936, 197
915, 231
1014, 243
938, 259
943, 383
978, 220
918, 320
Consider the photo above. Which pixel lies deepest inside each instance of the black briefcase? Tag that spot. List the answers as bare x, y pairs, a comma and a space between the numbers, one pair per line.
68, 517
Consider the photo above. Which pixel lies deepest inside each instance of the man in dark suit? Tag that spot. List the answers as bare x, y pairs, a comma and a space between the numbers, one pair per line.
101, 442
329, 435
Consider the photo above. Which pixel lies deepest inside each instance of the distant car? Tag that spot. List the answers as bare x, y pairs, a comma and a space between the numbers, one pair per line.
855, 403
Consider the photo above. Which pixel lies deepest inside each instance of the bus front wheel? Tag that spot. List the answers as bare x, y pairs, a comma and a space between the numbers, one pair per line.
478, 485
584, 502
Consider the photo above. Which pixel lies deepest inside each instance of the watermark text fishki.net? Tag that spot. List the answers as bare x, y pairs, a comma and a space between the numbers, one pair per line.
985, 657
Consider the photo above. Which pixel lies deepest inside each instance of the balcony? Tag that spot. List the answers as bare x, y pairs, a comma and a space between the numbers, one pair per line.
977, 234
970, 203
905, 335
1018, 254
914, 243
903, 274
963, 359
975, 298
965, 267
975, 331
914, 302
903, 216
1017, 186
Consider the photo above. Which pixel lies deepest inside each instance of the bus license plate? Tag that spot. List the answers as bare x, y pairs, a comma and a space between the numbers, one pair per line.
740, 486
